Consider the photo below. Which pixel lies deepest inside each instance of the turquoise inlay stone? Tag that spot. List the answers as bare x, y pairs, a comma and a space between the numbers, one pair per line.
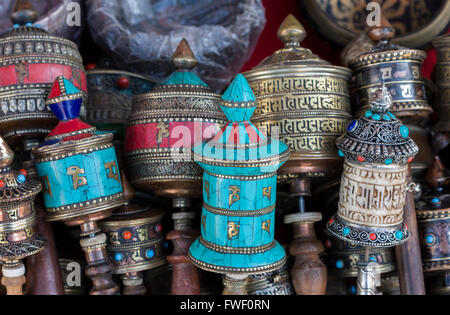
376, 117
70, 88
94, 178
368, 113
404, 131
392, 115
28, 24
435, 200
345, 231
239, 191
21, 178
352, 125
178, 78
430, 239
340, 153
339, 264
399, 235
373, 258
388, 161
16, 25
118, 256
149, 253
387, 117
353, 289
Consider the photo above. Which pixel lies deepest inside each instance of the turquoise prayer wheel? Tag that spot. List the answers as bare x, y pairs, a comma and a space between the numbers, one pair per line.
239, 192
76, 163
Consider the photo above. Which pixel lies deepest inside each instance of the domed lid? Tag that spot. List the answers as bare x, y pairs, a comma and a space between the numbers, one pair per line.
15, 187
239, 147
384, 49
377, 137
65, 101
291, 33
184, 60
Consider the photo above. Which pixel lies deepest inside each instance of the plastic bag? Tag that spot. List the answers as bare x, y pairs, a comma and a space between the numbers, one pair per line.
141, 35
53, 17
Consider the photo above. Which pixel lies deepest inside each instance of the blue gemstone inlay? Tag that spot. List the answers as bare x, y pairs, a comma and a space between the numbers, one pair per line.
392, 115
29, 24
66, 110
376, 117
399, 235
352, 125
21, 178
339, 264
16, 25
368, 114
404, 131
386, 117
429, 239
150, 253
373, 258
346, 231
388, 161
352, 289
340, 153
118, 256
435, 200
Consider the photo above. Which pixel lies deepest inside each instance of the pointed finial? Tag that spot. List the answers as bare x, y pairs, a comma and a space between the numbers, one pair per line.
238, 100
6, 154
382, 32
64, 99
381, 100
291, 32
24, 13
183, 57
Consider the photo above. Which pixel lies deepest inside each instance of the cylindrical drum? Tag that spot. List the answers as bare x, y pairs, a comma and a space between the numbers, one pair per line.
304, 101
30, 60
164, 124
442, 79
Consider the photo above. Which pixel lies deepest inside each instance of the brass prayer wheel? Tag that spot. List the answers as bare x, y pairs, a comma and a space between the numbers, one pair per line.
30, 60
164, 124
398, 67
442, 79
303, 99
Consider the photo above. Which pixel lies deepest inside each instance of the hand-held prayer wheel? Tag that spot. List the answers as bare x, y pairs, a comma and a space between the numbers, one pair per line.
164, 124
377, 150
368, 279
135, 242
18, 236
31, 59
239, 194
398, 67
304, 100
79, 170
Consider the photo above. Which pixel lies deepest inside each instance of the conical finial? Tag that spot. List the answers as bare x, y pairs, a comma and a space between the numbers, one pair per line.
183, 57
381, 32
64, 99
238, 101
24, 13
6, 154
291, 32
381, 100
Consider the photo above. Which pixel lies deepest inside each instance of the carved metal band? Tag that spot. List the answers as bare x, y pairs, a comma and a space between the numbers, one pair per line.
73, 63
19, 195
84, 208
23, 249
187, 116
20, 224
389, 56
359, 235
237, 250
154, 170
250, 270
239, 213
73, 133
74, 147
133, 245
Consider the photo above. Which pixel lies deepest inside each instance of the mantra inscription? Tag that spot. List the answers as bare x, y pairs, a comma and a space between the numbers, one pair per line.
370, 196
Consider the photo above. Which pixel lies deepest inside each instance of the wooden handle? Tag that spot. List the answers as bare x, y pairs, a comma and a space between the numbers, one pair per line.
99, 268
184, 274
408, 255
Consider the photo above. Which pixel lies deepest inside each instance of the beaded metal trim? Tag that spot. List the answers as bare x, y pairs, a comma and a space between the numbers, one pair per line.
238, 213
244, 163
24, 249
361, 235
383, 56
255, 177
237, 250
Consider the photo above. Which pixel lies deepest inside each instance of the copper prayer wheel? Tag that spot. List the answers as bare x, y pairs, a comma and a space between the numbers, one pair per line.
304, 100
18, 235
164, 124
398, 67
442, 79
30, 60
